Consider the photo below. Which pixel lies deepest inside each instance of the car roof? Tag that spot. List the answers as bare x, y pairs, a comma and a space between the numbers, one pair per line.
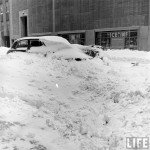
28, 38
47, 38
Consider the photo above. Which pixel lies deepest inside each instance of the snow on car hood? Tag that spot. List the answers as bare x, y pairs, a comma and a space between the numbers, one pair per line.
62, 48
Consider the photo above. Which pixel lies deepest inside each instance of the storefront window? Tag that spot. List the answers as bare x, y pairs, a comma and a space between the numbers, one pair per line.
76, 38
105, 42
131, 41
127, 39
103, 39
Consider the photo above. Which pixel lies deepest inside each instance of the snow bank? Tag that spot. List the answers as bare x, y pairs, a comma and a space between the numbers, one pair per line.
71, 54
128, 55
48, 103
3, 50
92, 51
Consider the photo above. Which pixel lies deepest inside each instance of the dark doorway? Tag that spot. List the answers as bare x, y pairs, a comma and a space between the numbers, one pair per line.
24, 26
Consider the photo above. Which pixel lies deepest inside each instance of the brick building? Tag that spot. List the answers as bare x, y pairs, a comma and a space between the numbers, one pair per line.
110, 23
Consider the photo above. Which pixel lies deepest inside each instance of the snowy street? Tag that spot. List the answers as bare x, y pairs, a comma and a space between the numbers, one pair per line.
56, 104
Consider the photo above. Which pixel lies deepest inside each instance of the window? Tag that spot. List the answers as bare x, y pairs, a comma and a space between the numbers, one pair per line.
7, 7
35, 43
128, 36
1, 9
1, 13
75, 38
14, 45
7, 11
131, 40
22, 43
103, 39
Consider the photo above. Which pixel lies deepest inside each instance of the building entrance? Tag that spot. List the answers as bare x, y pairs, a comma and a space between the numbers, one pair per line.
24, 26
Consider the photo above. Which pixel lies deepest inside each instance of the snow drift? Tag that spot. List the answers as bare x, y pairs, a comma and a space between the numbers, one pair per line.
48, 103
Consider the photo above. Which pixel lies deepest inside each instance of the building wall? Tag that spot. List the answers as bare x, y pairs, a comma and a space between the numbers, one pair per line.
82, 16
40, 16
91, 14
143, 38
16, 6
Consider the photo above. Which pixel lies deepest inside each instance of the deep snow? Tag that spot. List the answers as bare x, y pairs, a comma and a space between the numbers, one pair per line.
56, 104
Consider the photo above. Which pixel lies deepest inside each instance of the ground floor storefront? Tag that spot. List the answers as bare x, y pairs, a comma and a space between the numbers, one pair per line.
134, 37
114, 38
117, 39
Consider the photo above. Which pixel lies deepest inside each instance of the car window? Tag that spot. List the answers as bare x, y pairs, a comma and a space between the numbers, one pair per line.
35, 43
14, 45
22, 43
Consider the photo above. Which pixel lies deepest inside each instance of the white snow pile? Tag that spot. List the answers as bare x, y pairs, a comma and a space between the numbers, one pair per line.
91, 50
3, 50
57, 104
128, 55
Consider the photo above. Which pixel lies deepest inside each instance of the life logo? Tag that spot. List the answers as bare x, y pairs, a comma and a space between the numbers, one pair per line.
139, 143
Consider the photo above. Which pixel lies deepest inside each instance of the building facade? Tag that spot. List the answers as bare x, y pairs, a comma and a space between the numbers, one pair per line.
110, 23
4, 23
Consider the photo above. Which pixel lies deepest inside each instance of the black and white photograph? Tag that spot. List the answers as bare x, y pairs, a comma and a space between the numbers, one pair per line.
74, 74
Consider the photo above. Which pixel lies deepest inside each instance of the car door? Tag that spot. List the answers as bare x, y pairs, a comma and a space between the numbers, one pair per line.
19, 45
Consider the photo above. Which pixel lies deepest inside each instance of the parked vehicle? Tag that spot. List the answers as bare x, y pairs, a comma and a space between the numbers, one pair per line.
47, 44
35, 44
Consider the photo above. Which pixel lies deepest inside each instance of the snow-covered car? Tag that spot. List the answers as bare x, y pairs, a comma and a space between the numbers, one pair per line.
55, 45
